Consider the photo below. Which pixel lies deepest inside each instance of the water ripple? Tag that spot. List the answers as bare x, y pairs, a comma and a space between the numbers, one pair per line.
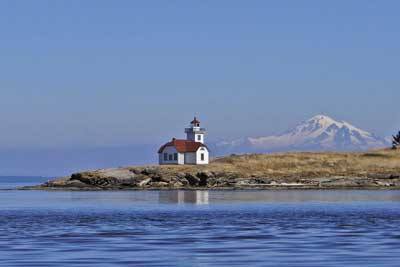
260, 233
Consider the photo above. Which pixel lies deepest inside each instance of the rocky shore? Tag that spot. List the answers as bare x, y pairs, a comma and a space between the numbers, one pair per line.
372, 170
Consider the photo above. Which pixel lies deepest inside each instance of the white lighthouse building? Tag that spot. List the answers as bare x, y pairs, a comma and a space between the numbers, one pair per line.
190, 151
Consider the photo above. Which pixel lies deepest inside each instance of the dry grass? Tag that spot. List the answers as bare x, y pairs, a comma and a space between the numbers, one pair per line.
287, 165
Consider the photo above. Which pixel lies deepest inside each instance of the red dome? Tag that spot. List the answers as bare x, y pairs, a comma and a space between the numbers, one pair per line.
195, 121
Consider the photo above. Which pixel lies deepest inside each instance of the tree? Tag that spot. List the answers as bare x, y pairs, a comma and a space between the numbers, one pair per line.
396, 141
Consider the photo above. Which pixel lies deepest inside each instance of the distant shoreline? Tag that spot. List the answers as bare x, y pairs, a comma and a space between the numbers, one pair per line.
368, 170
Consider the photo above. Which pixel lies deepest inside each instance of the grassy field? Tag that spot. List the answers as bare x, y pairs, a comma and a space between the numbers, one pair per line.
297, 165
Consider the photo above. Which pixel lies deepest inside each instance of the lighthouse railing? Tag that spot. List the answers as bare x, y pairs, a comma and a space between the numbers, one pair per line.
195, 129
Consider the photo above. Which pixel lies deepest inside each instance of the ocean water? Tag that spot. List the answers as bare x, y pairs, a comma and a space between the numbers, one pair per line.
198, 228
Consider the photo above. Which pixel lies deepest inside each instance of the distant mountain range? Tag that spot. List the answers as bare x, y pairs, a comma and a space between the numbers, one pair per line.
320, 133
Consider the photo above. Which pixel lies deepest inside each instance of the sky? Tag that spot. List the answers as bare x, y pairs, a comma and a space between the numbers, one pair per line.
112, 73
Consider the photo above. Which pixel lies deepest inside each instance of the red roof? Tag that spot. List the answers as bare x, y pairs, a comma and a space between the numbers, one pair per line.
183, 146
195, 121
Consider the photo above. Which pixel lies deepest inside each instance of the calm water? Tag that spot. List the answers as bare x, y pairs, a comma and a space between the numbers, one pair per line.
198, 228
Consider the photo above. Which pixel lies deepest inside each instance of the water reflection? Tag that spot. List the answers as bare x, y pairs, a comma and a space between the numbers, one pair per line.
197, 197
11, 199
295, 196
201, 197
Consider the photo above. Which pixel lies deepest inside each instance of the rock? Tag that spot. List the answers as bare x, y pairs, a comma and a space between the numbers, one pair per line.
183, 181
135, 171
203, 176
128, 183
244, 183
203, 181
120, 174
177, 184
144, 182
193, 180
75, 184
382, 183
77, 176
151, 171
108, 181
161, 178
384, 176
160, 184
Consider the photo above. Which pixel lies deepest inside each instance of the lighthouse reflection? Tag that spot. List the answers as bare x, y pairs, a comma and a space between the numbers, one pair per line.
197, 197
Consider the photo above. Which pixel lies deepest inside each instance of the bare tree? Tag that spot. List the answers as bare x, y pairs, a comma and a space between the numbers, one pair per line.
396, 141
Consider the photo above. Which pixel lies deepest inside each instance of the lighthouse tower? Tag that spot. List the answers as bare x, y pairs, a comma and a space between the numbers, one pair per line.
194, 132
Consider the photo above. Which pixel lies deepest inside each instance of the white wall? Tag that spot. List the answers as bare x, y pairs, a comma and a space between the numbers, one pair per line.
201, 138
170, 150
202, 150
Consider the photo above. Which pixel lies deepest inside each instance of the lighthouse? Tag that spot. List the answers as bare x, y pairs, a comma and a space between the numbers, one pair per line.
191, 150
194, 132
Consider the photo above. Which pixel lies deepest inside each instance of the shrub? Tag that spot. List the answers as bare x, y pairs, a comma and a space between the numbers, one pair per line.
396, 141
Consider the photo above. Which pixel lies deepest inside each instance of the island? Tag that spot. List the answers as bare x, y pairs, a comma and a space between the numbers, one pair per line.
367, 170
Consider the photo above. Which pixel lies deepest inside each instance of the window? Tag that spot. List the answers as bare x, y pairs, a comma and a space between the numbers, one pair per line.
165, 156
202, 156
170, 157
199, 138
175, 156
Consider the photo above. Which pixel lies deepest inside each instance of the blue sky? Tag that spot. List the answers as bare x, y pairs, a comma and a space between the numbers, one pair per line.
104, 73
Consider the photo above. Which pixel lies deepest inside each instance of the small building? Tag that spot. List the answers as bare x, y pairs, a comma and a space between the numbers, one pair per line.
191, 150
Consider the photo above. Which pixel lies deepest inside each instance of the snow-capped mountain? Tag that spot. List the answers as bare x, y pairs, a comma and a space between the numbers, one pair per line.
320, 133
